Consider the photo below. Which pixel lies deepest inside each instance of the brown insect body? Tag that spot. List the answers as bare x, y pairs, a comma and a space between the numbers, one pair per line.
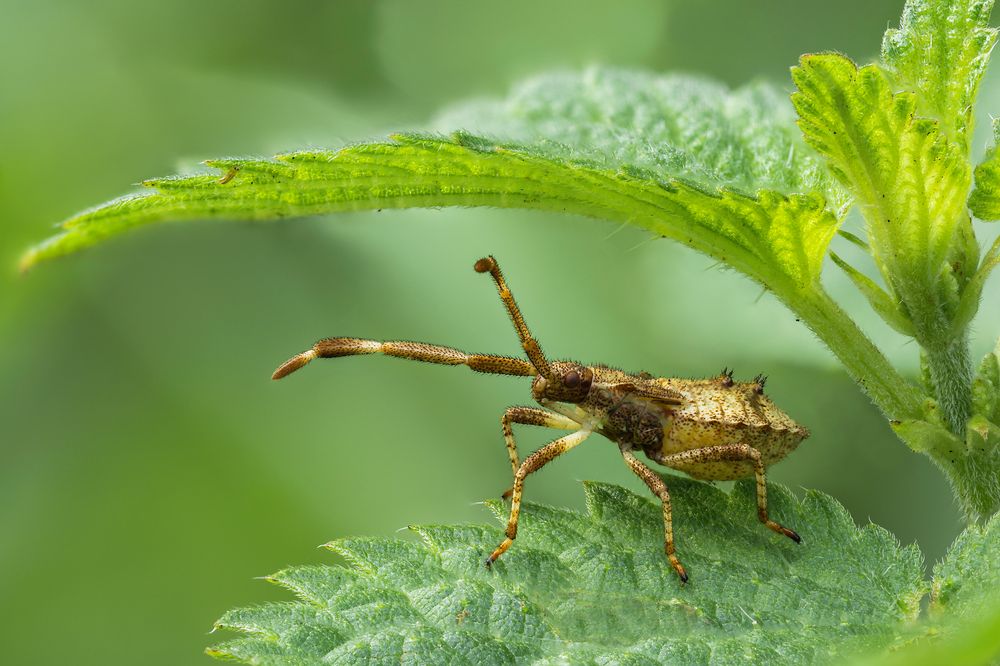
713, 429
664, 416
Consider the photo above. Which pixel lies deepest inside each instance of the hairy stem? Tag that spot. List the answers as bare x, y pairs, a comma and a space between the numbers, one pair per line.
973, 478
951, 372
894, 395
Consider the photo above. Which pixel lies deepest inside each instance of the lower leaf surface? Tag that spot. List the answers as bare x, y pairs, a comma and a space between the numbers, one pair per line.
596, 588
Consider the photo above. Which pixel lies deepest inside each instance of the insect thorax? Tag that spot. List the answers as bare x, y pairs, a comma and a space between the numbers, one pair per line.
627, 420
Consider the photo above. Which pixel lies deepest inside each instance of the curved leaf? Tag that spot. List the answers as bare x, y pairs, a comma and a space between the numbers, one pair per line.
778, 240
968, 305
722, 172
911, 183
682, 157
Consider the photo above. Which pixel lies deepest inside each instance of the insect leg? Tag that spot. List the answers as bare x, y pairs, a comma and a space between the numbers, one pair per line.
530, 345
416, 351
734, 452
529, 416
532, 463
659, 488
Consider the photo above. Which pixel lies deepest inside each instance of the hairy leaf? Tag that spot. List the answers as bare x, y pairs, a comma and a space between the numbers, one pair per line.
986, 386
910, 181
940, 52
968, 306
683, 158
596, 588
963, 623
966, 583
880, 301
985, 198
721, 171
671, 126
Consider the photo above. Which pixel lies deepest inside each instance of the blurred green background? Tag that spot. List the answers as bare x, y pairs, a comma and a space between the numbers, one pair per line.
149, 469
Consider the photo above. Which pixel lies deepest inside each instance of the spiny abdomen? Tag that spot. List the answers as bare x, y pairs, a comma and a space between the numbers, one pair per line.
716, 414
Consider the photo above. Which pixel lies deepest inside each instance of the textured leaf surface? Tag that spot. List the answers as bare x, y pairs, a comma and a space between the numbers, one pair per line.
721, 171
963, 622
985, 198
596, 588
910, 180
971, 295
686, 159
940, 52
967, 581
671, 126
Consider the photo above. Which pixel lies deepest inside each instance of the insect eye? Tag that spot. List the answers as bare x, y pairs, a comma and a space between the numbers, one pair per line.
571, 379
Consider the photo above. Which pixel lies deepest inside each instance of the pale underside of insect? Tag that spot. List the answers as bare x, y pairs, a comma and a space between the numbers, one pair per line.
712, 429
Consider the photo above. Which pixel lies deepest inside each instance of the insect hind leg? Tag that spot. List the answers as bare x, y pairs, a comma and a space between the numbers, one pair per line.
734, 452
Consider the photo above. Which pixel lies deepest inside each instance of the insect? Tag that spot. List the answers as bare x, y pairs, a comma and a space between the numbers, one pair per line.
713, 429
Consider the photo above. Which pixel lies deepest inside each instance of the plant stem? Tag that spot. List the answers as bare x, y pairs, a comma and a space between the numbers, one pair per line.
894, 395
973, 479
951, 372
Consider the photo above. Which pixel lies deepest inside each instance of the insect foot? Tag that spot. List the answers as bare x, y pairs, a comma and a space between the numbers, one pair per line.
500, 550
781, 529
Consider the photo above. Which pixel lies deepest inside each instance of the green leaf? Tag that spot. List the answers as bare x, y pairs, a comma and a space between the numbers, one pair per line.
880, 301
775, 239
671, 126
963, 622
929, 437
596, 588
683, 158
968, 304
969, 462
986, 386
720, 171
968, 579
910, 181
940, 52
984, 202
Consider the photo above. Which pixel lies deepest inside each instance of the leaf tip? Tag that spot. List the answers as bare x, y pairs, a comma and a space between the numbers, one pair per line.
39, 252
27, 261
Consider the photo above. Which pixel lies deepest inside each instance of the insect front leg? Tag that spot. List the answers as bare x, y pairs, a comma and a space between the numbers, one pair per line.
659, 488
532, 463
529, 416
734, 452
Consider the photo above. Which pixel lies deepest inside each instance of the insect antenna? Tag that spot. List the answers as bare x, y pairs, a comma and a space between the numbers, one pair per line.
415, 351
528, 342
